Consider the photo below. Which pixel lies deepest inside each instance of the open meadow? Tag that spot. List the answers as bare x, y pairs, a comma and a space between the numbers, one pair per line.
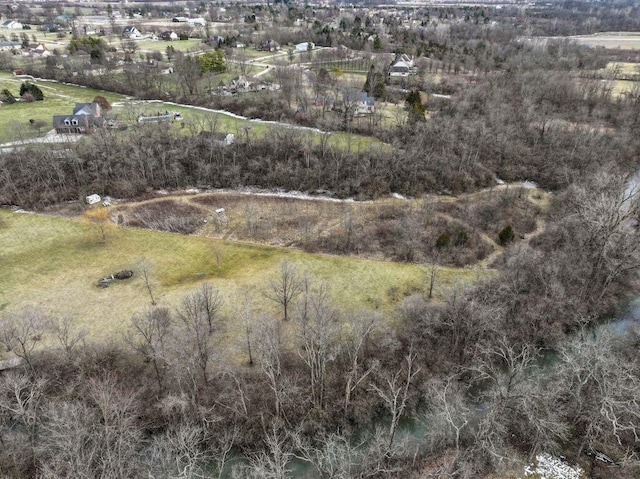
618, 40
55, 263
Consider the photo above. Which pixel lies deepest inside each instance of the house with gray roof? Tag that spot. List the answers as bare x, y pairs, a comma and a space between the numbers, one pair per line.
86, 118
131, 32
7, 46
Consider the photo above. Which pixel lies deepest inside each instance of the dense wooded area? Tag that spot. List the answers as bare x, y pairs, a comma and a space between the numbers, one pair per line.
519, 364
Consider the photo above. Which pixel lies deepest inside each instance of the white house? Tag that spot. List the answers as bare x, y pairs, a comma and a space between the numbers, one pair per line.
197, 21
12, 25
169, 36
304, 46
357, 103
36, 51
131, 32
402, 66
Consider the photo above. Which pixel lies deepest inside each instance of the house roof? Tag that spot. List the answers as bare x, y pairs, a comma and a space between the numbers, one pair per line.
359, 96
400, 66
242, 79
129, 29
71, 121
86, 109
402, 61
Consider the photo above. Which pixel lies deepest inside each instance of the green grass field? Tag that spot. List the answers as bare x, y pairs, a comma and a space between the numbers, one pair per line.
59, 99
54, 264
193, 44
196, 119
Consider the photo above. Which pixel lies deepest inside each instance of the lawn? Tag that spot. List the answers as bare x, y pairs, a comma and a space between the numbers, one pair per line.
50, 40
193, 44
59, 99
622, 40
623, 68
54, 263
251, 52
195, 118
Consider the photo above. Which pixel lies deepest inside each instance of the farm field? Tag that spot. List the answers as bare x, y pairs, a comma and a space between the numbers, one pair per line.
54, 263
621, 40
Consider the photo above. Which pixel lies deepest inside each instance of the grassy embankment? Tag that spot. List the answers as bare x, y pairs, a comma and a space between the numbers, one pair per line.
54, 264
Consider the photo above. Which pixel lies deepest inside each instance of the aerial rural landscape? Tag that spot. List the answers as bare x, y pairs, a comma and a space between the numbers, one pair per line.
287, 240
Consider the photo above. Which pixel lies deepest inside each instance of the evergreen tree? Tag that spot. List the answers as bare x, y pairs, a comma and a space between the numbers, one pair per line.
369, 82
28, 87
414, 106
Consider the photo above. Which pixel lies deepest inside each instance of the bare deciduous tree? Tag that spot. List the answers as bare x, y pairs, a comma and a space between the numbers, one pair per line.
318, 331
602, 388
147, 336
274, 461
245, 311
334, 456
210, 302
67, 444
20, 333
395, 391
145, 270
68, 333
197, 341
285, 287
269, 355
449, 415
21, 398
360, 327
115, 433
517, 405
188, 451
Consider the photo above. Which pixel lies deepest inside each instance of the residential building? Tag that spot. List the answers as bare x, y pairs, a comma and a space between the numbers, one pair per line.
131, 32
402, 66
86, 118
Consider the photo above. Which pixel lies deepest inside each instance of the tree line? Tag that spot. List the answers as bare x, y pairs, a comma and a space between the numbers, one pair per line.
499, 372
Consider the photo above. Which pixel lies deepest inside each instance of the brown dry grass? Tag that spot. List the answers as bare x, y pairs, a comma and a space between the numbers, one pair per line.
54, 263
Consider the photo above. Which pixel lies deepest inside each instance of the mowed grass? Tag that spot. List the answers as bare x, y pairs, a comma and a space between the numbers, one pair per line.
195, 119
621, 40
59, 99
193, 44
54, 264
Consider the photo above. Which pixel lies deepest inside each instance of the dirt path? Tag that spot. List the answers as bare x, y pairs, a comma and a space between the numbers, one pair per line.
536, 197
